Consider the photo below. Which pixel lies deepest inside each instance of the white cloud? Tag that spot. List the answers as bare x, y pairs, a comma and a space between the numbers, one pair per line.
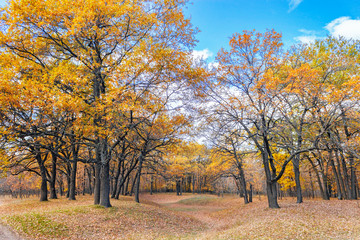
307, 32
293, 4
344, 26
307, 39
202, 54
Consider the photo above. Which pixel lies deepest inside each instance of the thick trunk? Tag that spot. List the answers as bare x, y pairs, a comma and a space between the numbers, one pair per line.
137, 188
72, 189
105, 185
43, 189
296, 166
271, 191
250, 193
97, 183
53, 177
243, 184
89, 175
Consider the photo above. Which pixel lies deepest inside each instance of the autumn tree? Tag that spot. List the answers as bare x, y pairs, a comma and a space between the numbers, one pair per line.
243, 96
113, 45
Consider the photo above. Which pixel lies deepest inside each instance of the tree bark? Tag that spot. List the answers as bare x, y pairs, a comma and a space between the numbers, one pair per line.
341, 179
116, 180
105, 185
296, 167
353, 178
53, 177
43, 188
271, 189
151, 185
137, 187
250, 193
97, 183
72, 189
346, 175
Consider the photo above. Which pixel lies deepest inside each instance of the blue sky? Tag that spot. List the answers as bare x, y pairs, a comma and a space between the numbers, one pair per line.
297, 20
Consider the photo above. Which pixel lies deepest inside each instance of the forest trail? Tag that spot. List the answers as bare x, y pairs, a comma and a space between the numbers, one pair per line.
202, 207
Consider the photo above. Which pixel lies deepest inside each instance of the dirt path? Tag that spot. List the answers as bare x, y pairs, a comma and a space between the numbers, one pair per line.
6, 233
202, 211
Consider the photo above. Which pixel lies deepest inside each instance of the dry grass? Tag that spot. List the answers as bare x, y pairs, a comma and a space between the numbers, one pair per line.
167, 216
63, 219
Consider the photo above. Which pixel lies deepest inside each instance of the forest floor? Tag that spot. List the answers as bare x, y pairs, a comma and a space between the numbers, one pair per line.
167, 216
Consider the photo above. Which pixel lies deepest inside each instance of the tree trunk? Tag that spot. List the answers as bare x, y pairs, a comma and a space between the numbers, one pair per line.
116, 180
243, 184
138, 180
181, 186
97, 183
126, 186
68, 186
53, 177
353, 179
72, 189
89, 175
250, 193
133, 184
151, 185
338, 187
296, 166
61, 185
341, 179
346, 175
43, 188
105, 185
178, 187
271, 189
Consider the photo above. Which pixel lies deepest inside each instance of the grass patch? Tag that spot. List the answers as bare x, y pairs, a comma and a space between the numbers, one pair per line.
198, 200
36, 223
